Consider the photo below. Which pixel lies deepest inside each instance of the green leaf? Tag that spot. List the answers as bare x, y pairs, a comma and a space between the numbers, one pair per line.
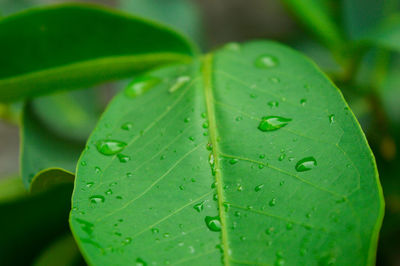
97, 45
63, 252
45, 157
386, 34
318, 16
204, 183
30, 223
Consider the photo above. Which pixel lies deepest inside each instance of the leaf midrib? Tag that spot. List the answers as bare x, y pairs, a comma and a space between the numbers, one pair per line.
209, 99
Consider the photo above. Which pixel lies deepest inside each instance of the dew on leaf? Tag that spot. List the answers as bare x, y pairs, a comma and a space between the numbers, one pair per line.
96, 199
186, 120
140, 85
272, 123
89, 184
127, 126
86, 226
275, 80
233, 47
272, 202
262, 156
123, 158
331, 118
109, 192
83, 163
155, 230
266, 61
282, 157
97, 170
270, 231
213, 223
306, 164
179, 83
203, 115
239, 118
289, 226
273, 104
110, 147
127, 240
233, 161
205, 125
258, 187
303, 101
260, 166
199, 206
140, 262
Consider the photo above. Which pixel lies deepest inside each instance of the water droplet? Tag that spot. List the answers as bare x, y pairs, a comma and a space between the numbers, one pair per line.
205, 125
233, 47
155, 230
140, 85
273, 104
289, 226
140, 262
203, 115
260, 166
96, 199
270, 231
258, 187
306, 164
199, 206
89, 184
180, 81
83, 163
233, 161
186, 120
213, 223
239, 187
166, 235
266, 61
191, 138
272, 202
110, 147
281, 157
109, 192
242, 238
303, 101
262, 156
253, 96
239, 118
129, 174
275, 80
127, 240
279, 262
123, 158
97, 170
127, 126
237, 213
181, 187
331, 118
272, 123
86, 226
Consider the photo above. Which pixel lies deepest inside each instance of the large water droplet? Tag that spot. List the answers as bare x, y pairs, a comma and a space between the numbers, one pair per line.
96, 199
110, 147
272, 123
306, 164
140, 85
213, 223
266, 61
180, 81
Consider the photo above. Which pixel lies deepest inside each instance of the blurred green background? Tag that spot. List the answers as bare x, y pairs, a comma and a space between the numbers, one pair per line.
212, 23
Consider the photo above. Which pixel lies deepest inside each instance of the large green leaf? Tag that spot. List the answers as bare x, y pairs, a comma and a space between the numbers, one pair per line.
76, 46
319, 17
251, 156
29, 223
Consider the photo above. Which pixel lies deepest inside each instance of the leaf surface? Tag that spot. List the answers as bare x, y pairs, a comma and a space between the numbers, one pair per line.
250, 156
76, 46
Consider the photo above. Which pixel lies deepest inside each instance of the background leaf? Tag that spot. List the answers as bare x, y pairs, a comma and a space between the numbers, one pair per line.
62, 55
286, 176
30, 223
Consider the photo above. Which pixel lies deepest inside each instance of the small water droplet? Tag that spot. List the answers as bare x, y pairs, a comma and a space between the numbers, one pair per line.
86, 226
205, 125
233, 161
83, 163
273, 104
270, 231
279, 262
140, 262
281, 157
289, 226
89, 184
272, 123
123, 158
140, 85
109, 192
96, 199
242, 238
237, 213
97, 170
155, 230
272, 202
110, 147
253, 96
181, 187
275, 80
258, 187
127, 240
331, 118
213, 223
266, 61
180, 81
239, 187
127, 126
233, 47
260, 166
129, 174
166, 235
306, 164
199, 206
262, 156
203, 115
239, 118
